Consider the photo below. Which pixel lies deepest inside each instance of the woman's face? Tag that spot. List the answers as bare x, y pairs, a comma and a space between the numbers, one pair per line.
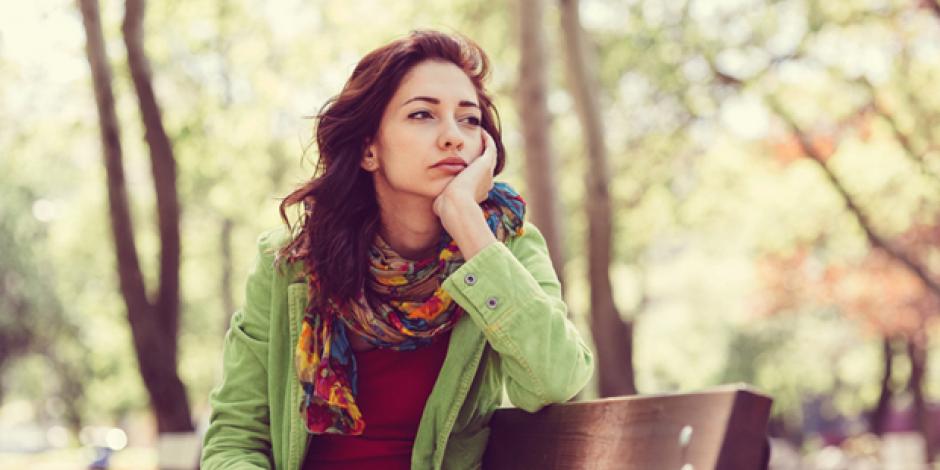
433, 115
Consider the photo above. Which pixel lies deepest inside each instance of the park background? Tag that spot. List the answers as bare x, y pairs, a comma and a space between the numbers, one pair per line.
767, 172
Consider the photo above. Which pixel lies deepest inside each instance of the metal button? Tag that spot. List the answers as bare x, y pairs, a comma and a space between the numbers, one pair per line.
492, 302
470, 279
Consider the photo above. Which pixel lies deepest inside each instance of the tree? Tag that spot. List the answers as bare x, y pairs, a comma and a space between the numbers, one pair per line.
928, 288
535, 120
613, 337
154, 323
817, 135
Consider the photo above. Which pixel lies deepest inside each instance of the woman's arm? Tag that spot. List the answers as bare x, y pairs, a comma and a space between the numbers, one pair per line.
238, 435
512, 293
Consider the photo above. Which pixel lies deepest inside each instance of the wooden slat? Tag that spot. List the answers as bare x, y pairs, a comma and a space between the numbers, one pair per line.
728, 432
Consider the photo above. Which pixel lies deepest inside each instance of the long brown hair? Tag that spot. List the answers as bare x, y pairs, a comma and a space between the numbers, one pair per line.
340, 212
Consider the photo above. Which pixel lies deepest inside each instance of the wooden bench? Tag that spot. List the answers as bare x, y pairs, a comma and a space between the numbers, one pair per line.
723, 428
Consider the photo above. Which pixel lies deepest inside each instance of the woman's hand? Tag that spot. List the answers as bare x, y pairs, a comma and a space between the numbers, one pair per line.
475, 181
458, 204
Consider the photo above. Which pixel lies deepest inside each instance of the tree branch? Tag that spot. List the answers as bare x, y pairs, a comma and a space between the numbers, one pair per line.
122, 229
902, 138
863, 221
163, 167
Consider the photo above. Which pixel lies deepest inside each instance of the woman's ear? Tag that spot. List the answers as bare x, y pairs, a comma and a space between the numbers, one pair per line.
369, 161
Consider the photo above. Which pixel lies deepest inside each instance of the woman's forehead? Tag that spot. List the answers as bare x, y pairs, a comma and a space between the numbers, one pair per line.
434, 79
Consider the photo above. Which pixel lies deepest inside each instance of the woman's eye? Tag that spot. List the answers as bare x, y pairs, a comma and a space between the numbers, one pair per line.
417, 113
422, 115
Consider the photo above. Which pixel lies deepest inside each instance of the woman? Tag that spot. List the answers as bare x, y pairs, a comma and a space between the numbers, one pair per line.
381, 330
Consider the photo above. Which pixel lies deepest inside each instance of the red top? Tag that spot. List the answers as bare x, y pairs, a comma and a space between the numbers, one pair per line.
393, 389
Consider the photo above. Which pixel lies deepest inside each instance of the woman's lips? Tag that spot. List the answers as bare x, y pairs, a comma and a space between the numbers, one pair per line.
450, 167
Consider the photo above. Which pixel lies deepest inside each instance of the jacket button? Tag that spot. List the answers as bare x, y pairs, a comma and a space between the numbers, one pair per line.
470, 279
492, 302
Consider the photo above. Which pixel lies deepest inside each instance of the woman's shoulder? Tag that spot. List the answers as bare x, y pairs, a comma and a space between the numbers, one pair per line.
531, 235
271, 240
269, 243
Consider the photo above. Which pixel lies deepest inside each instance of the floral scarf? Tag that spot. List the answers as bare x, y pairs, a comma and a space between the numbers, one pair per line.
406, 307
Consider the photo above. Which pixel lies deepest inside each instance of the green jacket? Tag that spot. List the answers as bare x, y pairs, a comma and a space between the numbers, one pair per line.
515, 334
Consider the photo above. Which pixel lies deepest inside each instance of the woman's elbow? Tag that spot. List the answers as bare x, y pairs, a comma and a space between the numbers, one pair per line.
567, 384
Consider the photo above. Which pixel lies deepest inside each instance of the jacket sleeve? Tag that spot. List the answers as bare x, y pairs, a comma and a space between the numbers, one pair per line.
512, 293
238, 435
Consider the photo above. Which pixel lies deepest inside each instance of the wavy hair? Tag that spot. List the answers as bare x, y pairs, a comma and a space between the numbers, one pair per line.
340, 214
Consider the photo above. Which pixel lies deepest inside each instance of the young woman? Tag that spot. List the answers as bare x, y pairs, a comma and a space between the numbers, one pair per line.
382, 328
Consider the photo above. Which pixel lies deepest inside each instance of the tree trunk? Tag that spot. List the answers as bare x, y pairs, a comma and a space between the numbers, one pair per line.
880, 414
163, 167
917, 352
153, 325
535, 121
168, 393
613, 337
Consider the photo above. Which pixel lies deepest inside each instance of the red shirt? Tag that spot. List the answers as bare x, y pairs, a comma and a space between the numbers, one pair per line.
393, 389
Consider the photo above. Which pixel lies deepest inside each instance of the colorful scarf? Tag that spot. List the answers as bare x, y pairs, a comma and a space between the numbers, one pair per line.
405, 308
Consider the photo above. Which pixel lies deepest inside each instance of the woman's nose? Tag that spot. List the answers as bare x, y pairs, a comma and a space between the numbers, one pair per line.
450, 136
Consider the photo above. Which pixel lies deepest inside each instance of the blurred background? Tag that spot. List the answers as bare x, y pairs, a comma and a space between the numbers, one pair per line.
733, 190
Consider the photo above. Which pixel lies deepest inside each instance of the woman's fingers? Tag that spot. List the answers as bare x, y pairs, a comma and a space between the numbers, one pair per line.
476, 179
489, 161
489, 148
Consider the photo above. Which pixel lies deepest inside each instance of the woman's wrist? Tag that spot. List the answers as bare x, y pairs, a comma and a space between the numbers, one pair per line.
463, 219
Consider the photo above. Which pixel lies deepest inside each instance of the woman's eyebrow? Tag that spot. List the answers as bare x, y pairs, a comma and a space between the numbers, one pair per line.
429, 99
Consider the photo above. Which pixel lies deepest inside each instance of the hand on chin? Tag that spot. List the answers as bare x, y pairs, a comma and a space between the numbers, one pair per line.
471, 184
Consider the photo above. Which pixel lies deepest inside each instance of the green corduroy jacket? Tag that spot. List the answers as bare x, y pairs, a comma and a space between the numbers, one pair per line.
515, 335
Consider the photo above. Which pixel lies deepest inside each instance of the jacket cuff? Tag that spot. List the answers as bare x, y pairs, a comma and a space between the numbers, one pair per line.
491, 285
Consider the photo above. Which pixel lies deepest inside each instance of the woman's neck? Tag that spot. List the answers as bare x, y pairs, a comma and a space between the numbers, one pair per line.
410, 227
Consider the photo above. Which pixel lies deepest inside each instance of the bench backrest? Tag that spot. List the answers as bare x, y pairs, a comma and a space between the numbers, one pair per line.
724, 428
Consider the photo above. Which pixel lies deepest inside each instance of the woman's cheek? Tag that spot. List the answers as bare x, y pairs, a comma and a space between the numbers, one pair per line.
475, 144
